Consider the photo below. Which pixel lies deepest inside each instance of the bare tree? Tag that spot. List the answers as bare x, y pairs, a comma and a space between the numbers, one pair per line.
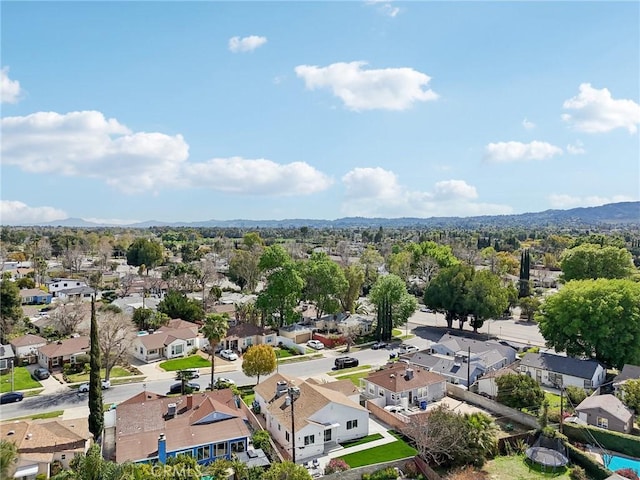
105, 251
207, 273
73, 258
343, 249
115, 335
69, 315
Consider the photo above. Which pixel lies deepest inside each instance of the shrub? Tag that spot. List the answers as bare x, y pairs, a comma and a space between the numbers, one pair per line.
554, 415
260, 439
388, 473
575, 395
411, 469
578, 473
628, 473
336, 465
466, 473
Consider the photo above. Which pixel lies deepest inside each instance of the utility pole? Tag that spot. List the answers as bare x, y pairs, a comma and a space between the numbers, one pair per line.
561, 406
13, 386
468, 368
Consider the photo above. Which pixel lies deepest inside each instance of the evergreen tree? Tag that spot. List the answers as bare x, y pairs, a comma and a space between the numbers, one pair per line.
524, 289
96, 416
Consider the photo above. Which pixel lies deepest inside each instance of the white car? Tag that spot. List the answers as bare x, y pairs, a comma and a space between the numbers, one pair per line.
426, 310
405, 348
316, 344
84, 388
229, 354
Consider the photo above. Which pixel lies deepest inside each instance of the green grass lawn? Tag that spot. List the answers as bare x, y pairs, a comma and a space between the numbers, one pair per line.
40, 416
282, 353
367, 439
193, 361
515, 468
345, 371
21, 378
383, 453
354, 377
115, 373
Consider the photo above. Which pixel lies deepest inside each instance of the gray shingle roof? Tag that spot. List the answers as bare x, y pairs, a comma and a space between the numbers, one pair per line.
629, 372
558, 364
608, 403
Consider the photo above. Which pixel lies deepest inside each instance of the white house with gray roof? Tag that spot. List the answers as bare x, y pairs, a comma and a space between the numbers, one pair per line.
558, 371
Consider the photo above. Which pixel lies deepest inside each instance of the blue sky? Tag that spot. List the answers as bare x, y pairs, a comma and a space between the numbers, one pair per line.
185, 111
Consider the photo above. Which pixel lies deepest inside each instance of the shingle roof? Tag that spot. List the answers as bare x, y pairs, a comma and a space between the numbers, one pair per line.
456, 343
608, 403
65, 347
242, 330
33, 292
162, 338
139, 423
28, 339
629, 372
395, 378
565, 365
48, 436
6, 351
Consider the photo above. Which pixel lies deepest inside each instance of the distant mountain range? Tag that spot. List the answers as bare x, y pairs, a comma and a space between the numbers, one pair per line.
624, 213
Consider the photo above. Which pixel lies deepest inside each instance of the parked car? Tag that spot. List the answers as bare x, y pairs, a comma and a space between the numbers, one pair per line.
11, 397
316, 344
426, 310
177, 387
195, 373
379, 345
221, 383
394, 408
405, 348
346, 362
41, 373
84, 388
228, 354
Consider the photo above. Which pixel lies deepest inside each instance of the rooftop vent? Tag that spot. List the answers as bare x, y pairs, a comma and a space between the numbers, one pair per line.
281, 388
172, 408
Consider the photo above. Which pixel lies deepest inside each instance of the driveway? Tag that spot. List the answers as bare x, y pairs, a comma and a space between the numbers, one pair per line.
51, 384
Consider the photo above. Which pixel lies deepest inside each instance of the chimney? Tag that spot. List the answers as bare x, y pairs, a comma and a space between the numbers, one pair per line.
162, 448
281, 387
189, 402
408, 373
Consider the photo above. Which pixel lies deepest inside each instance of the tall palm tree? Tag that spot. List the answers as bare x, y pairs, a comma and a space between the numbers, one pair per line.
215, 329
8, 457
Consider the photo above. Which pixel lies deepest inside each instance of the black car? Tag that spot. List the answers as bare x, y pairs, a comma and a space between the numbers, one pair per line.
379, 345
11, 397
41, 373
346, 362
177, 387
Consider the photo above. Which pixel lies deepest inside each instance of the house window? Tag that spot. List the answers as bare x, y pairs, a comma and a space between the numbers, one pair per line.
190, 343
204, 452
381, 392
188, 453
269, 340
587, 384
54, 361
141, 351
237, 446
286, 436
221, 449
371, 389
555, 379
309, 439
63, 457
177, 349
603, 423
351, 424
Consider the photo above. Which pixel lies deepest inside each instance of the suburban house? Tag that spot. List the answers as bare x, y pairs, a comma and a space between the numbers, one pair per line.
606, 411
486, 385
174, 340
77, 293
628, 372
402, 385
131, 303
296, 332
6, 357
490, 353
56, 354
345, 323
558, 371
319, 415
35, 296
207, 426
57, 284
241, 336
26, 347
41, 443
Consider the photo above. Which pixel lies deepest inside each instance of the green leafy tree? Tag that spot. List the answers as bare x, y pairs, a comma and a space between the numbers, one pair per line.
529, 307
575, 395
595, 319
354, 275
447, 291
96, 415
190, 252
259, 360
10, 308
145, 252
519, 391
630, 394
371, 261
261, 440
284, 286
325, 283
26, 282
8, 457
177, 305
485, 298
286, 471
214, 330
393, 304
591, 261
145, 319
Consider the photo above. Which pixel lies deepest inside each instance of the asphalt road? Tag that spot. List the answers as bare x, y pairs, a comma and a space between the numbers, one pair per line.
427, 328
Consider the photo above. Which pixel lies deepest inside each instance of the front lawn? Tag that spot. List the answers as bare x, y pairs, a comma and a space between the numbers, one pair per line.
345, 371
22, 380
193, 361
354, 377
515, 468
360, 441
84, 377
383, 453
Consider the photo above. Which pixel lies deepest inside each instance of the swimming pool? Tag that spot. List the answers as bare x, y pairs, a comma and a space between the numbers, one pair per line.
614, 463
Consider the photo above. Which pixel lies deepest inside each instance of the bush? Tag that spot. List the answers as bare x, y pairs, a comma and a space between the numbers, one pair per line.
578, 473
628, 473
554, 415
411, 469
575, 395
336, 465
388, 473
261, 439
594, 469
618, 442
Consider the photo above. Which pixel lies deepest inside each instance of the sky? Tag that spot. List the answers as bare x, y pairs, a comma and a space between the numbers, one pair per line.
120, 112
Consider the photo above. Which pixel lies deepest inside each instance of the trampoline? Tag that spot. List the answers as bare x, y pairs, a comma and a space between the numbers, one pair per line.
546, 457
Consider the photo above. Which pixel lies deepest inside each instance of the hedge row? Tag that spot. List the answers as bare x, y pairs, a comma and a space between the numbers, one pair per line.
618, 442
586, 461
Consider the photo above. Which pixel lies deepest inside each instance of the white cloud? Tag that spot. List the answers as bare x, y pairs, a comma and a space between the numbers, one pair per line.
376, 192
504, 152
86, 144
13, 212
576, 149
528, 124
385, 7
89, 145
360, 89
246, 44
595, 111
10, 90
568, 201
256, 177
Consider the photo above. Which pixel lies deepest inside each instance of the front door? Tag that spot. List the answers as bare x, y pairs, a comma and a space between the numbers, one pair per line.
327, 435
